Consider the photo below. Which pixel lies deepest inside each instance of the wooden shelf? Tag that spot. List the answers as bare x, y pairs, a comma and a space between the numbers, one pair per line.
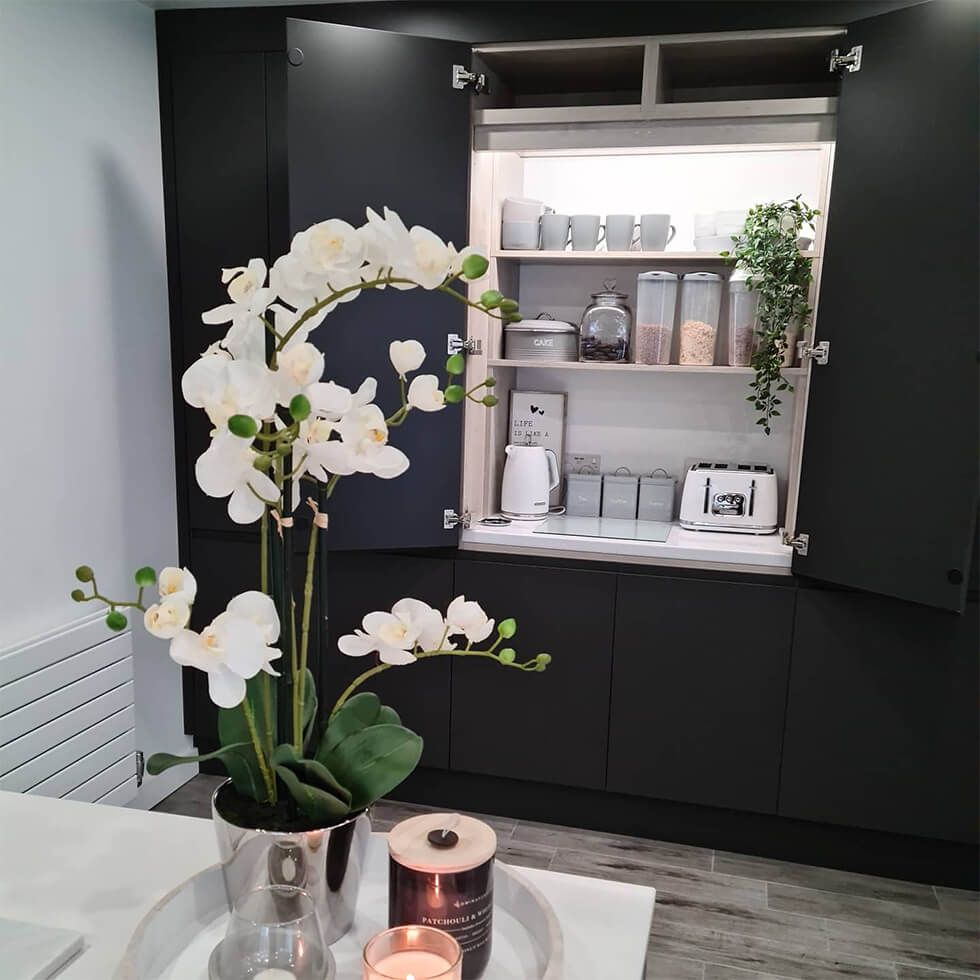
718, 369
647, 258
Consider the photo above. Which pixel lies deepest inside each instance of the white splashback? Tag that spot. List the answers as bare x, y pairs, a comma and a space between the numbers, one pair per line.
646, 420
680, 184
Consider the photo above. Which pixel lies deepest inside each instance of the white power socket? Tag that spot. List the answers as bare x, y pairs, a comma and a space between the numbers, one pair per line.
583, 463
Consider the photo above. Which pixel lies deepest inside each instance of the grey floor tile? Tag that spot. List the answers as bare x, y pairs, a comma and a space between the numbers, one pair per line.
869, 911
690, 882
771, 959
826, 879
569, 838
780, 927
394, 810
525, 855
672, 968
920, 973
193, 799
714, 971
961, 905
900, 946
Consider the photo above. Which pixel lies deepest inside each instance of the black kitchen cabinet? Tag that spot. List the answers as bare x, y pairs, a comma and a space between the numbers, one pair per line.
881, 724
550, 727
361, 582
699, 690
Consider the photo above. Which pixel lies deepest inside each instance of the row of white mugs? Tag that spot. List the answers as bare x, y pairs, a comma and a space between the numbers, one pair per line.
585, 232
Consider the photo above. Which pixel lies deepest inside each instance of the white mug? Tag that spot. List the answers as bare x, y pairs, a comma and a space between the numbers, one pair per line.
620, 229
519, 234
554, 232
656, 232
585, 232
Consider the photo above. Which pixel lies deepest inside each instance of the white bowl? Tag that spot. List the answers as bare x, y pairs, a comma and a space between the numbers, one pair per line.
730, 222
713, 243
704, 225
520, 234
521, 209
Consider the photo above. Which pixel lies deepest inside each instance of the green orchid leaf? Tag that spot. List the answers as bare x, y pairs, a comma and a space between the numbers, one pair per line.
388, 716
319, 805
359, 712
310, 705
161, 761
373, 761
310, 771
242, 764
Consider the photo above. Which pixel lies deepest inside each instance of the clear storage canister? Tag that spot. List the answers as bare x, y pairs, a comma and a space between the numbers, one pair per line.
700, 307
656, 300
604, 334
743, 319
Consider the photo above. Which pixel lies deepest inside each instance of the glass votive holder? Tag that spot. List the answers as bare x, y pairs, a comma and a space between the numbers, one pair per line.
274, 934
413, 953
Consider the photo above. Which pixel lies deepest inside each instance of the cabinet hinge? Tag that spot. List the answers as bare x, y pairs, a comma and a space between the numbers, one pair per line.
140, 768
818, 353
464, 78
451, 519
455, 344
846, 62
800, 543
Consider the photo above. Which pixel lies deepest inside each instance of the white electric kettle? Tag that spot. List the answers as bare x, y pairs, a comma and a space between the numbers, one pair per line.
530, 474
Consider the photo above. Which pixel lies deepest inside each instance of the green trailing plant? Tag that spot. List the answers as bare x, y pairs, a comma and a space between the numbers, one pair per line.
767, 249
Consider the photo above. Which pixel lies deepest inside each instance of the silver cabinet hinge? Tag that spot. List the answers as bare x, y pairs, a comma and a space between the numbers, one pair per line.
800, 543
451, 519
818, 353
455, 345
464, 78
846, 62
140, 768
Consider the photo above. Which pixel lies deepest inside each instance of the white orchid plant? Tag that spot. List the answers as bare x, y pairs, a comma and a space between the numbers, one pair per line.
278, 425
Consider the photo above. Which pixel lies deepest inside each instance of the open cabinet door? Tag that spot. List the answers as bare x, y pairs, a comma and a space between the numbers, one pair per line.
373, 119
889, 482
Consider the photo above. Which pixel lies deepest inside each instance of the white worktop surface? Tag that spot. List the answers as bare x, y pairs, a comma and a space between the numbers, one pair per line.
704, 549
98, 870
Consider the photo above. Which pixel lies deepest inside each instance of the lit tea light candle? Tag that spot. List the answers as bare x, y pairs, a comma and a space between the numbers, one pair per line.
274, 973
413, 953
413, 964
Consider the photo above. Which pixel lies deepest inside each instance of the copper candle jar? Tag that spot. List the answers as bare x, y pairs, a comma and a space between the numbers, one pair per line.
441, 875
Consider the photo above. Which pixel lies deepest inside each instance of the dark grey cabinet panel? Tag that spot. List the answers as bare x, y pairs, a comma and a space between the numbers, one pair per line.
699, 690
550, 727
362, 582
882, 723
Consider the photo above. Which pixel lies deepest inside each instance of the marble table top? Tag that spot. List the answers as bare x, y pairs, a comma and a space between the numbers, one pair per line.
99, 869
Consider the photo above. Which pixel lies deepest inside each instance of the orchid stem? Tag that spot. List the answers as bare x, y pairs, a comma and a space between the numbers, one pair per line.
270, 783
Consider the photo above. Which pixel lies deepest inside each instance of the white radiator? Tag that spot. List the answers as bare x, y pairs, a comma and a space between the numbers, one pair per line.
66, 715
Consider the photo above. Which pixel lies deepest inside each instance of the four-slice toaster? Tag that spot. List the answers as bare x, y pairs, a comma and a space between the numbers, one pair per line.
739, 497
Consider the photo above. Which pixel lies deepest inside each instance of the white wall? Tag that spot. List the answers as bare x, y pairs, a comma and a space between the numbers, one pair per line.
88, 458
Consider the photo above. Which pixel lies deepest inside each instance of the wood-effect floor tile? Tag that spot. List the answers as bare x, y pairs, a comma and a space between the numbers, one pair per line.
714, 971
569, 838
921, 973
395, 811
772, 959
672, 968
525, 855
870, 912
193, 799
961, 905
702, 885
826, 879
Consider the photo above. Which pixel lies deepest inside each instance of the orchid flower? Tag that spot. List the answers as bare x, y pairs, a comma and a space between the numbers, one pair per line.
393, 636
364, 446
468, 618
425, 395
226, 469
177, 583
406, 356
165, 619
247, 291
224, 387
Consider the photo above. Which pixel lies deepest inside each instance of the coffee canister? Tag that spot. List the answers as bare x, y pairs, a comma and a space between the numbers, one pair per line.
441, 874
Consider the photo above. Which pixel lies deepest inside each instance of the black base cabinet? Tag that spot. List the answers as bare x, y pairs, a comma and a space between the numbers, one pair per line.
550, 727
699, 690
882, 724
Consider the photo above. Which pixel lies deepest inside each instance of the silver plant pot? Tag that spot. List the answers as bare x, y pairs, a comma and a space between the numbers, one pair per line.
328, 863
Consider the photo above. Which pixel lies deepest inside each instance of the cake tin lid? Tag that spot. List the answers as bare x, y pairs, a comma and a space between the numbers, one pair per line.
543, 324
701, 277
410, 843
657, 274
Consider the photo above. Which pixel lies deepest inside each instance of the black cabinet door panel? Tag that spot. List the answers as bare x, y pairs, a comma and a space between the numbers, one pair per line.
550, 727
882, 726
889, 486
373, 120
363, 582
699, 691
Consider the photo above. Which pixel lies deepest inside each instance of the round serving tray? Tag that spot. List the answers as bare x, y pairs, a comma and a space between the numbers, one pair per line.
175, 938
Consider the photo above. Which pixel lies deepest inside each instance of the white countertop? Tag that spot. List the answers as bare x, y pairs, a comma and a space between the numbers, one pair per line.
700, 549
99, 869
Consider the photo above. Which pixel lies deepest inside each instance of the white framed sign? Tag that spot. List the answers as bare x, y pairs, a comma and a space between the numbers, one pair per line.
537, 418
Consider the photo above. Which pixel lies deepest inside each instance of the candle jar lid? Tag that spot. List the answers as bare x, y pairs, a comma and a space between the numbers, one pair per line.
409, 843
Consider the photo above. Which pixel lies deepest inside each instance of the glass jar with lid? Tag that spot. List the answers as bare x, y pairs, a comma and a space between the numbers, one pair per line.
607, 322
656, 297
700, 308
743, 318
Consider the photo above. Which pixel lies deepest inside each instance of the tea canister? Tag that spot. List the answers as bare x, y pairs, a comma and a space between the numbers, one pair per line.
604, 334
583, 494
441, 874
541, 339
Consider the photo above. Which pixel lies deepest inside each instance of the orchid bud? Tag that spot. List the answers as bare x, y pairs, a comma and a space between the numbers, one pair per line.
299, 407
475, 266
84, 574
78, 595
507, 655
490, 382
490, 400
454, 394
115, 620
507, 628
508, 306
543, 660
491, 299
243, 426
145, 576
456, 364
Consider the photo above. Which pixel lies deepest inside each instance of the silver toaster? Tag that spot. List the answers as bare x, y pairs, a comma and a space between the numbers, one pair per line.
739, 497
